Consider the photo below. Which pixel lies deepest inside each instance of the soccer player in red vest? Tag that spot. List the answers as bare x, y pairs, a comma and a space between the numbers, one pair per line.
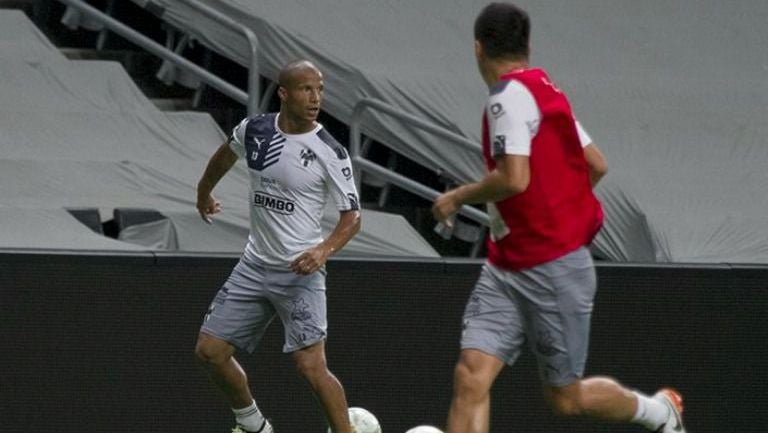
539, 282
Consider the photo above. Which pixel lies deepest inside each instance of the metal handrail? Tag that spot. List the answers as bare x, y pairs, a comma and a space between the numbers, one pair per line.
362, 164
250, 99
254, 84
377, 104
416, 188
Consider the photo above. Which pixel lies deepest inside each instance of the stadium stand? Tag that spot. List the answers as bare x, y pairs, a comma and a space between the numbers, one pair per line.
680, 118
81, 134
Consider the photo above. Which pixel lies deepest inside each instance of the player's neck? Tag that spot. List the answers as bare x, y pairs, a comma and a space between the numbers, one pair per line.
497, 68
290, 125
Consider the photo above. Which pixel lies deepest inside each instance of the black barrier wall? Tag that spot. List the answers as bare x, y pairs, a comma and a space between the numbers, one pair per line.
105, 344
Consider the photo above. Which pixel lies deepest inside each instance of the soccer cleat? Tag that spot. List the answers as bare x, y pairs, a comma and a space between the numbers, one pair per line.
674, 402
265, 428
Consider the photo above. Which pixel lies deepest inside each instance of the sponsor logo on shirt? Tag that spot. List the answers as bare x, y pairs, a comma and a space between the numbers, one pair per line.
497, 109
273, 203
269, 182
347, 172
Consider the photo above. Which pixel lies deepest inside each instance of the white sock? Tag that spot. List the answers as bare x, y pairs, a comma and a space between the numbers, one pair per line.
249, 417
651, 413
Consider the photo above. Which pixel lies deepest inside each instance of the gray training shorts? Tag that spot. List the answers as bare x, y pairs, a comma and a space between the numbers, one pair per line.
252, 295
550, 305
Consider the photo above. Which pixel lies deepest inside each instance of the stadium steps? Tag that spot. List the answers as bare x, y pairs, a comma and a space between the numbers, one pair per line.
142, 67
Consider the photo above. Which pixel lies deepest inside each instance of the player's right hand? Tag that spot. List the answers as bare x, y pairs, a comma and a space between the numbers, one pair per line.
207, 206
444, 207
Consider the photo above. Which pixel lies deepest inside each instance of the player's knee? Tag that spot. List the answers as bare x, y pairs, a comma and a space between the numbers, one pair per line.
206, 354
567, 407
210, 351
567, 404
310, 365
468, 382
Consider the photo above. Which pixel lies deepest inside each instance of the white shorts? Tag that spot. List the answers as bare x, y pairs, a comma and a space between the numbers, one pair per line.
252, 295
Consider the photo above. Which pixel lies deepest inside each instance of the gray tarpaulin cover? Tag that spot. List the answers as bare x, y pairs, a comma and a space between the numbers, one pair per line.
21, 40
675, 93
80, 134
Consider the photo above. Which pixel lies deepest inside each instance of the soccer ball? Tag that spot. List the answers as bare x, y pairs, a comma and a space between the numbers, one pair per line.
363, 421
424, 429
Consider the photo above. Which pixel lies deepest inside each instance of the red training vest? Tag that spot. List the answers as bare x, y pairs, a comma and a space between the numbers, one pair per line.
558, 212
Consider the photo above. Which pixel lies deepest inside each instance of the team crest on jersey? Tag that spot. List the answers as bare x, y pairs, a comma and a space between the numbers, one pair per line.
307, 157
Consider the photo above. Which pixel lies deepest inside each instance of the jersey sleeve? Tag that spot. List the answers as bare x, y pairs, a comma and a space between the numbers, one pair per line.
584, 138
237, 140
341, 185
513, 120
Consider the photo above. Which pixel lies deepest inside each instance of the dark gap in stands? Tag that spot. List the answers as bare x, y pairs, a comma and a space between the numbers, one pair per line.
110, 229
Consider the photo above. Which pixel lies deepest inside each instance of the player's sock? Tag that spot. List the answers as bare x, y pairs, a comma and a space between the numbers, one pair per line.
651, 413
250, 417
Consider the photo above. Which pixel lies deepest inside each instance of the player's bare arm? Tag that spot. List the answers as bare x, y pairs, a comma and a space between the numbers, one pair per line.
219, 164
314, 258
598, 166
510, 177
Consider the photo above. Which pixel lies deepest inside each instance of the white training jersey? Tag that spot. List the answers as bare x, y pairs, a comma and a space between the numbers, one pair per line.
513, 114
292, 178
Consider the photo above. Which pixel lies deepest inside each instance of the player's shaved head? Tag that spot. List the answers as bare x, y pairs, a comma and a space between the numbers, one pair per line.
292, 70
301, 93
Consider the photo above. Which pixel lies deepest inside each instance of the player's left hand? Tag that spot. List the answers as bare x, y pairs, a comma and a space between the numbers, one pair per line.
207, 206
310, 260
444, 207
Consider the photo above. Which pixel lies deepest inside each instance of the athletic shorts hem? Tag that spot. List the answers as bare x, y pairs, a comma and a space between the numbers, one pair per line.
562, 382
304, 345
213, 334
479, 347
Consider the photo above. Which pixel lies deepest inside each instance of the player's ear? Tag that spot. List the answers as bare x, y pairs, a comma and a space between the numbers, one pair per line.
478, 49
282, 93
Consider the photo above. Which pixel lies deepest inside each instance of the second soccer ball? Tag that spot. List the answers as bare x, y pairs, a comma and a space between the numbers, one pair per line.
363, 421
424, 429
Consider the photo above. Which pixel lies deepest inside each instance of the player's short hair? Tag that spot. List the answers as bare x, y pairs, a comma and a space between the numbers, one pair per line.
287, 74
503, 30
